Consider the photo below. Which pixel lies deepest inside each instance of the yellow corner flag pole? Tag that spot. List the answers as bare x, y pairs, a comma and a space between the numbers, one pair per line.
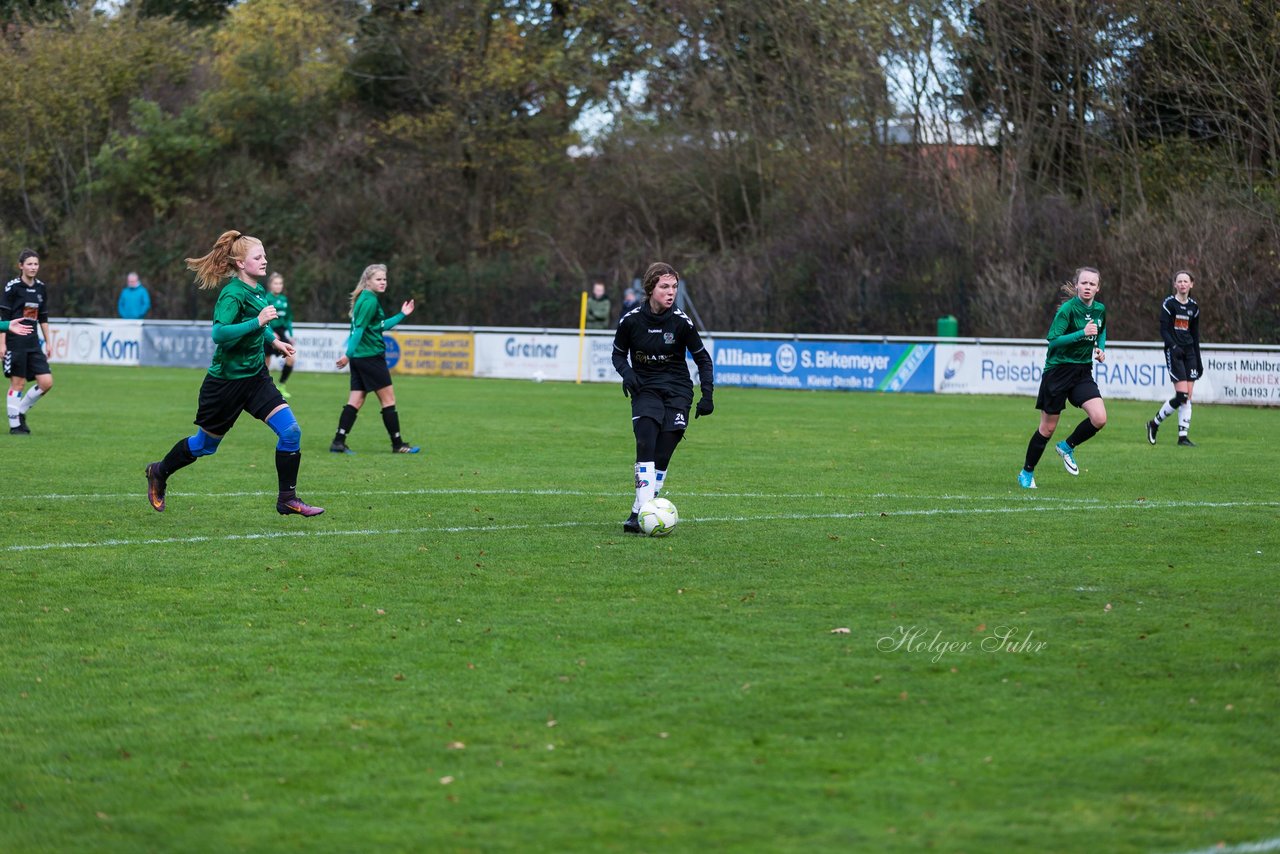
582, 334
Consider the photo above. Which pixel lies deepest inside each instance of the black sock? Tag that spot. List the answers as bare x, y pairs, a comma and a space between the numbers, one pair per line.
179, 456
1035, 450
284, 373
346, 421
665, 447
287, 463
391, 420
1084, 432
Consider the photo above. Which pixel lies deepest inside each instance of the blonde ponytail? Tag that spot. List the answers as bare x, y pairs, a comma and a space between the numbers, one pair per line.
219, 263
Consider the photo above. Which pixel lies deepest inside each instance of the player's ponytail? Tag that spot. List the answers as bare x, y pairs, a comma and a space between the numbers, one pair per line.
219, 263
656, 271
365, 278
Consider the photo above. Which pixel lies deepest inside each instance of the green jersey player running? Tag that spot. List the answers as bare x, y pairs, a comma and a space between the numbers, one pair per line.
1077, 337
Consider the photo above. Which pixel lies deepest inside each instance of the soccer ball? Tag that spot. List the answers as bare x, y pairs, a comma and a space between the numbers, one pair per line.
658, 517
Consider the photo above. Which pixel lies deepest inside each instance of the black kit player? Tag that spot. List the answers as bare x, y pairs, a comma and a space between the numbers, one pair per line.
649, 353
1077, 337
25, 297
1180, 329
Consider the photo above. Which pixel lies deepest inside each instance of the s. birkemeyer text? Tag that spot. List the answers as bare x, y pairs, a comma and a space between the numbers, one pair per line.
919, 640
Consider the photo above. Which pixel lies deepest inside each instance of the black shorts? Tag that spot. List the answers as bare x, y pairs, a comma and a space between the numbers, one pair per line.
222, 401
1183, 363
27, 364
1066, 382
670, 410
369, 373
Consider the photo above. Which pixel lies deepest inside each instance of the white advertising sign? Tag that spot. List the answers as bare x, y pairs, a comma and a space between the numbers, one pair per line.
1240, 376
318, 349
1129, 373
543, 356
988, 369
95, 342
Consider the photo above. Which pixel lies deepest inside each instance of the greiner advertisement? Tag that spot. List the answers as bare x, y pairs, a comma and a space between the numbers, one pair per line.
543, 356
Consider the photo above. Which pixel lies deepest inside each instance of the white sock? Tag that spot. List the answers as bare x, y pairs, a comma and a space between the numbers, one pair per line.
1165, 411
29, 399
1184, 418
644, 485
660, 481
11, 404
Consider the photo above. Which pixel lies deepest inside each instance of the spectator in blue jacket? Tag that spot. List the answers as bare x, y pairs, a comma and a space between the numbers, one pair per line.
134, 302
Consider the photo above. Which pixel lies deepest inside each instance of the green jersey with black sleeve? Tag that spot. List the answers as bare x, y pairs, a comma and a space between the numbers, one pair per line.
368, 322
236, 331
284, 317
1068, 345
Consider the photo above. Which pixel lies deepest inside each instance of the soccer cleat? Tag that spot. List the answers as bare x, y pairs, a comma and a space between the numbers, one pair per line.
1186, 442
1068, 459
1152, 428
284, 393
155, 487
405, 449
20, 430
632, 525
296, 507
340, 448
1027, 479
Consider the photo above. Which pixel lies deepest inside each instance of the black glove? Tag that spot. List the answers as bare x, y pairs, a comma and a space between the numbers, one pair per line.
705, 406
630, 383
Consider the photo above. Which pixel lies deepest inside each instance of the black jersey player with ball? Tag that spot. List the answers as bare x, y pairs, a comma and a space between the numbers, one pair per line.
648, 352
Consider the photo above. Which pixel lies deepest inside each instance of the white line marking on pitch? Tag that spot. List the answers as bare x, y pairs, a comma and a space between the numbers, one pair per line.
115, 496
1242, 848
462, 529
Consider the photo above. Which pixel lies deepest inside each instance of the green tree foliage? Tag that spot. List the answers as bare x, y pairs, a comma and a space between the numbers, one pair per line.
151, 161
810, 165
28, 11
195, 12
280, 69
62, 86
477, 102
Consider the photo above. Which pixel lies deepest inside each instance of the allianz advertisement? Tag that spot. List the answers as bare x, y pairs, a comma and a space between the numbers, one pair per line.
839, 365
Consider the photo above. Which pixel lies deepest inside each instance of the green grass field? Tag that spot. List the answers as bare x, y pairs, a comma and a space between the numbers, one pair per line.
465, 653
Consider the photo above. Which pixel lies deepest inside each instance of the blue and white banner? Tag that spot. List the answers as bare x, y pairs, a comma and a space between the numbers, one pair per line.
842, 365
95, 342
1132, 370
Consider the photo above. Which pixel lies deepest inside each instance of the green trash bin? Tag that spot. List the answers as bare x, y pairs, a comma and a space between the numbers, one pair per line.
948, 327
